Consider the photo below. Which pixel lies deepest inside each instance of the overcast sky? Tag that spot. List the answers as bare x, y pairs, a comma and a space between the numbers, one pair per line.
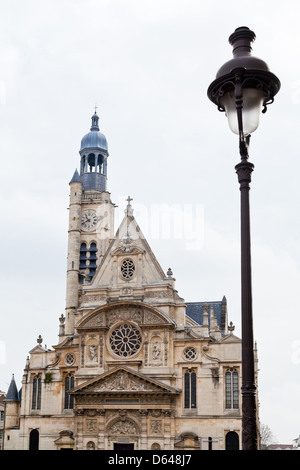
147, 65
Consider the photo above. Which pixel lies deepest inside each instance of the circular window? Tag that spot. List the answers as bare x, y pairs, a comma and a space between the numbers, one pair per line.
127, 269
70, 359
125, 340
190, 354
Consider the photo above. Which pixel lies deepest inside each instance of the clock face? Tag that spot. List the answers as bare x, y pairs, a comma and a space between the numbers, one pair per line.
89, 220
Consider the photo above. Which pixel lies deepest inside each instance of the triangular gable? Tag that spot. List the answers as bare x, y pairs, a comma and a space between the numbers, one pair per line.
37, 350
129, 241
231, 339
122, 379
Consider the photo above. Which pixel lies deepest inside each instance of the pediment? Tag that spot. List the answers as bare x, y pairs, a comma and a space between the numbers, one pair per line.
231, 339
123, 380
37, 350
128, 241
108, 315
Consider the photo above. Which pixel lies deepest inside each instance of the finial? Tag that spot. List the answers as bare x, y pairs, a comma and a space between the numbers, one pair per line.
95, 119
39, 340
169, 272
231, 327
205, 307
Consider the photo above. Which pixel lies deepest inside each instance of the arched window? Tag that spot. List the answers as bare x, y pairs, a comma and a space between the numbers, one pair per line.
232, 441
69, 384
231, 389
82, 257
34, 440
82, 168
100, 164
93, 259
190, 389
36, 393
91, 162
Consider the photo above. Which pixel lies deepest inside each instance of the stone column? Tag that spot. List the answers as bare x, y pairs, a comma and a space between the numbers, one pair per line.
73, 255
101, 429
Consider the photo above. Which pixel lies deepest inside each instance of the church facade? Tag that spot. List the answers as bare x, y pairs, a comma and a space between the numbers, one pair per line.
135, 366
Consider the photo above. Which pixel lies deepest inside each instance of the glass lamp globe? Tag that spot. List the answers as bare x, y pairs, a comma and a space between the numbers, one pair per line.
252, 106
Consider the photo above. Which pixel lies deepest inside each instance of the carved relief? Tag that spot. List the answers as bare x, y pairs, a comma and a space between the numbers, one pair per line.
101, 350
156, 427
92, 299
116, 314
127, 246
166, 347
152, 318
157, 351
134, 314
123, 427
122, 381
158, 297
91, 426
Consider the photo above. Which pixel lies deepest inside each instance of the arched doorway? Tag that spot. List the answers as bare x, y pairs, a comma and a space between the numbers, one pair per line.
232, 441
34, 440
123, 434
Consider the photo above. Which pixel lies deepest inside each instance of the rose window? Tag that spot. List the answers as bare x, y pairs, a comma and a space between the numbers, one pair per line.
127, 269
190, 354
125, 340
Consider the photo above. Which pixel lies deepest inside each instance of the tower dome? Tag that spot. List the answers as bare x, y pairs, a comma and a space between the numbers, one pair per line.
94, 139
94, 153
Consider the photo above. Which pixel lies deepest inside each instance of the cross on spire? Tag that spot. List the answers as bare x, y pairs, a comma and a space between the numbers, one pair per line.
128, 200
128, 210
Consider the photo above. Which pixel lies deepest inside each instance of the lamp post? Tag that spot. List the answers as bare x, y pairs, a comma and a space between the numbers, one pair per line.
243, 88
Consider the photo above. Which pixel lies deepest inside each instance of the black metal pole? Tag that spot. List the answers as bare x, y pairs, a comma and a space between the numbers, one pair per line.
249, 426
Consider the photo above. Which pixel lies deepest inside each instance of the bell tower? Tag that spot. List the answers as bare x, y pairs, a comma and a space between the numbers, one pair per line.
94, 153
91, 218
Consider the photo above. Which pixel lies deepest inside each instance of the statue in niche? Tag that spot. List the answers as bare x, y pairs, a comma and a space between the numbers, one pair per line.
93, 356
90, 446
156, 351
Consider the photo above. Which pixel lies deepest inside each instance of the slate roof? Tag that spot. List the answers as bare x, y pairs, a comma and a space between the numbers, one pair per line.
194, 310
76, 178
12, 393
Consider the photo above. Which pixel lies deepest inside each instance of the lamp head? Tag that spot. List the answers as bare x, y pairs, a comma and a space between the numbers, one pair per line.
243, 83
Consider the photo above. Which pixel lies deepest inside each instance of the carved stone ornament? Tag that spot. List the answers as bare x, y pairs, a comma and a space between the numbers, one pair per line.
123, 428
123, 380
127, 246
156, 427
108, 316
91, 425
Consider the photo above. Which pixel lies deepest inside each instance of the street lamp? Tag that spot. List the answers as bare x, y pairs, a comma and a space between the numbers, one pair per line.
243, 88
